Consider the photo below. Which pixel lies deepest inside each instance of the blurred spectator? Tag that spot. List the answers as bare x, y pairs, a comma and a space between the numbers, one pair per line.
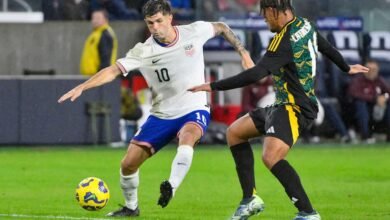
100, 48
230, 8
238, 7
253, 94
116, 9
75, 9
136, 4
130, 110
53, 9
371, 100
65, 9
208, 10
183, 9
249, 5
312, 9
214, 9
331, 114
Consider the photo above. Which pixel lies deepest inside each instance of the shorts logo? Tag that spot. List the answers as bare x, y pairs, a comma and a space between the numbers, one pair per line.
270, 130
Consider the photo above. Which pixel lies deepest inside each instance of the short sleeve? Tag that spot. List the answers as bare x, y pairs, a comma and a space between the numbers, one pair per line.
132, 60
204, 30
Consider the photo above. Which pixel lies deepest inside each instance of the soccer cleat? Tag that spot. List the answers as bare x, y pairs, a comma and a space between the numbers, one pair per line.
248, 207
165, 193
124, 211
308, 216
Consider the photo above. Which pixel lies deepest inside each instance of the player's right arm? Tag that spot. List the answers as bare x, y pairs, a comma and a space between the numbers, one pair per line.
104, 76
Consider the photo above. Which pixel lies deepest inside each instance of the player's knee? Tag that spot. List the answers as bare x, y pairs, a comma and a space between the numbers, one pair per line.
188, 138
232, 136
269, 160
128, 167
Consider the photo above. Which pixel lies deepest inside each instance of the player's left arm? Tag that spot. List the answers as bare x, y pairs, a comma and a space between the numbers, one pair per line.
334, 55
272, 61
224, 30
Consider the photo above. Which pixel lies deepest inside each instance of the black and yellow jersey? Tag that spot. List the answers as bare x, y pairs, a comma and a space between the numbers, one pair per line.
291, 61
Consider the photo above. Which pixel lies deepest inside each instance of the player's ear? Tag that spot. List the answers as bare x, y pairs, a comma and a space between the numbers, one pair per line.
170, 17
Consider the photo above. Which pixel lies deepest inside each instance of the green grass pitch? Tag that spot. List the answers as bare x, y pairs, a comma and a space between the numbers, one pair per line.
343, 181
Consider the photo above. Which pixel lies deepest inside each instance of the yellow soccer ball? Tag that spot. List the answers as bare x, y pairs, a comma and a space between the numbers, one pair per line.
92, 194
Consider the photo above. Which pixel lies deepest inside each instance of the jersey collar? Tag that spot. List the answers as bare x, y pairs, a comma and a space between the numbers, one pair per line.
288, 23
171, 44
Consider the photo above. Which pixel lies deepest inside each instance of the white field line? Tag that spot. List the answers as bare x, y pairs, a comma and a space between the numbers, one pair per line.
47, 217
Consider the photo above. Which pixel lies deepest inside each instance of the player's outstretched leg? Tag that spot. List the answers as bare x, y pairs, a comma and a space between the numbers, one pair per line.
166, 193
308, 216
124, 211
248, 207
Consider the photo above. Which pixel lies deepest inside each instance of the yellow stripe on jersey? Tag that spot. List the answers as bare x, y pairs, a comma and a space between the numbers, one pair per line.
291, 98
278, 40
293, 119
273, 42
278, 37
299, 23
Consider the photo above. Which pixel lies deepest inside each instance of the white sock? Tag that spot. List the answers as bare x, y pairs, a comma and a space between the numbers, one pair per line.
129, 185
180, 165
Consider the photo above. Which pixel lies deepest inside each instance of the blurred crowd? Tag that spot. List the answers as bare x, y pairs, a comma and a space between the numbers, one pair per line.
351, 108
132, 9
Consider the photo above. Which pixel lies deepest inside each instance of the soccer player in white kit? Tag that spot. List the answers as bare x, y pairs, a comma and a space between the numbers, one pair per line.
171, 61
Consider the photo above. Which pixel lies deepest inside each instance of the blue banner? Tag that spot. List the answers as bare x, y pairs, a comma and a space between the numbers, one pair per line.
242, 26
340, 23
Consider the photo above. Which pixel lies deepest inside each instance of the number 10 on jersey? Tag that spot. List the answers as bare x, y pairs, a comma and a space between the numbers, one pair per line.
162, 75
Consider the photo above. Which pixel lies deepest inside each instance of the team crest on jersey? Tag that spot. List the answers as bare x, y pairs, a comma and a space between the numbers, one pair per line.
189, 49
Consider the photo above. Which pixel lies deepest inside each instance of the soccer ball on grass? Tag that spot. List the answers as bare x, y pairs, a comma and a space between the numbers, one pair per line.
92, 194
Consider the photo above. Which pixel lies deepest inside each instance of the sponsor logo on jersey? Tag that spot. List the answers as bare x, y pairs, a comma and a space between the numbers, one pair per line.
189, 50
155, 60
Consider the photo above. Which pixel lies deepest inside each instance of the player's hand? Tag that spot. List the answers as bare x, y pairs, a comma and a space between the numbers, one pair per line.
246, 60
72, 95
357, 68
204, 87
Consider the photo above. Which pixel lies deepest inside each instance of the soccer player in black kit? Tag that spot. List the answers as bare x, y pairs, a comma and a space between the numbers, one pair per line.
291, 61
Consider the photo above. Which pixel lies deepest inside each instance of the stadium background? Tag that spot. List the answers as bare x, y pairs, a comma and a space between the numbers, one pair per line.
31, 43
46, 149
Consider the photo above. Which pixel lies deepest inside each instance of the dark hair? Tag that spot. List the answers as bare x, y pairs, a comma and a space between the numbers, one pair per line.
153, 7
279, 5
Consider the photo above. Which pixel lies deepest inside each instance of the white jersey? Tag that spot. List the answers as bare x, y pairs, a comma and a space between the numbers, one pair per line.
171, 70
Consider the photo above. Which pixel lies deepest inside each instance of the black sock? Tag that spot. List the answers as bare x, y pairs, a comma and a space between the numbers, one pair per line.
243, 157
287, 176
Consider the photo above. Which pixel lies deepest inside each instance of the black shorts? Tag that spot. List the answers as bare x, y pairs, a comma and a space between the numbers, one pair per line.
281, 121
